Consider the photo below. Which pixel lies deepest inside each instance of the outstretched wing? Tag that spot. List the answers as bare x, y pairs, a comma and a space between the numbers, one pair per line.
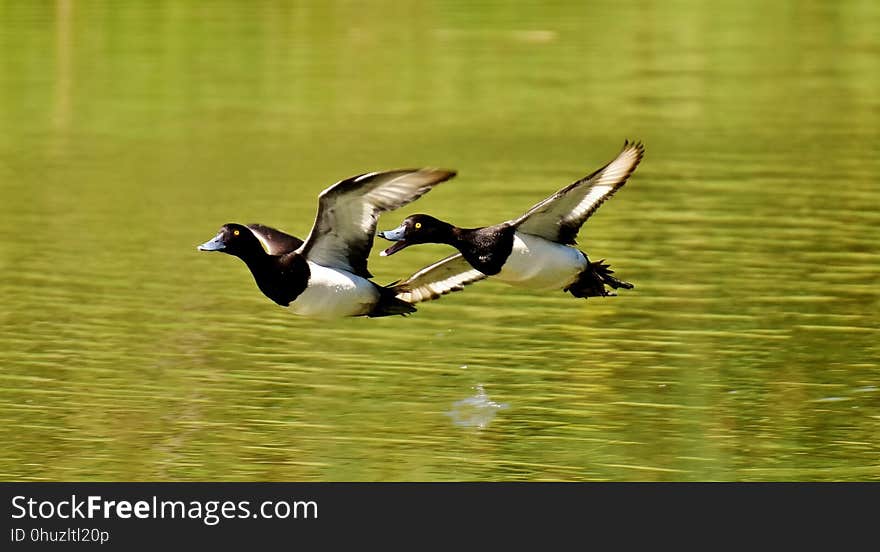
345, 225
444, 276
274, 241
559, 217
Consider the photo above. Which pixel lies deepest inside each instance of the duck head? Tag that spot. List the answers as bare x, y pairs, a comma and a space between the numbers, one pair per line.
234, 239
416, 229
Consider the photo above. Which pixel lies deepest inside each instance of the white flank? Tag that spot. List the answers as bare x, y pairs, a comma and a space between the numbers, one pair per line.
537, 263
335, 293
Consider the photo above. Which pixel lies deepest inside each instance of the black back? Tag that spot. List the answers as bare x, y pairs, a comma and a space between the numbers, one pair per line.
486, 249
275, 241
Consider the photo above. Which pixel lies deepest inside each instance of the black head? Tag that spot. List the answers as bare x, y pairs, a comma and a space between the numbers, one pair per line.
234, 239
416, 229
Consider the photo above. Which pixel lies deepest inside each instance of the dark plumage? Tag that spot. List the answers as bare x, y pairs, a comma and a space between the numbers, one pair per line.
326, 275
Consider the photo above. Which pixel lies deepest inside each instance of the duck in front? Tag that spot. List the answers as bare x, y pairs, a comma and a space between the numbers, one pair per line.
326, 275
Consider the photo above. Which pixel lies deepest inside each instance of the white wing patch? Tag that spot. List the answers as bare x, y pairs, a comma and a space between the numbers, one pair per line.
433, 281
605, 183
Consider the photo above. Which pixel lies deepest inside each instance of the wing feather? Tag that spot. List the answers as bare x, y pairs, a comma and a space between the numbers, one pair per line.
345, 224
559, 217
433, 281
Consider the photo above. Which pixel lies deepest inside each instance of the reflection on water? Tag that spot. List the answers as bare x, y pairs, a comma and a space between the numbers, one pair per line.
475, 411
748, 349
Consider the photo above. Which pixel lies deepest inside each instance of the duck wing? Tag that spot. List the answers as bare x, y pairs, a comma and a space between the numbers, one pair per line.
559, 217
345, 225
444, 276
274, 241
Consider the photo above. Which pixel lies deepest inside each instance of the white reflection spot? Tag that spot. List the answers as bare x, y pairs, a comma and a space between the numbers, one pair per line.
475, 411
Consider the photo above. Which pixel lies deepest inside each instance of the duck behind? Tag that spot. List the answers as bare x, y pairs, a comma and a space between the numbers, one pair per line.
534, 250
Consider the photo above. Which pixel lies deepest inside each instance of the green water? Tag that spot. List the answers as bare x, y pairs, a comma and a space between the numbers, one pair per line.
749, 349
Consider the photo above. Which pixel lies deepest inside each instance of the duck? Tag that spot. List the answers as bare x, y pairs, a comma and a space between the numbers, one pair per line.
325, 275
535, 250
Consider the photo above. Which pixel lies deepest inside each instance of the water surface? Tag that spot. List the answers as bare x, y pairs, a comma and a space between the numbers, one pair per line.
747, 351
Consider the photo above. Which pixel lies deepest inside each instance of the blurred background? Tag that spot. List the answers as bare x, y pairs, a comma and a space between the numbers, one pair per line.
748, 350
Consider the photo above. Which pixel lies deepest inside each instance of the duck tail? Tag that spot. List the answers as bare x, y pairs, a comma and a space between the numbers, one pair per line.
389, 304
592, 281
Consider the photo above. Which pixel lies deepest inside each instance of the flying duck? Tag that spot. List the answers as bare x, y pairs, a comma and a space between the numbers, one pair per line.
534, 250
326, 275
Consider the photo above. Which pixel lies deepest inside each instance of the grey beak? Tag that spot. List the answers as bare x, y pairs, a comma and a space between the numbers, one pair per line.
215, 244
393, 235
397, 236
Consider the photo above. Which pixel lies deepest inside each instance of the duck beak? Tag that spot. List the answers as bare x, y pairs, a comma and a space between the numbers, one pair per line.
394, 248
215, 244
395, 235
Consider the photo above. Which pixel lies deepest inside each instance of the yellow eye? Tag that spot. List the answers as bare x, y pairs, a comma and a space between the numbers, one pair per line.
235, 232
418, 225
